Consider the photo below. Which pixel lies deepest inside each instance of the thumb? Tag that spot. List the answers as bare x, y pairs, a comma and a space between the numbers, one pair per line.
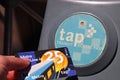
14, 63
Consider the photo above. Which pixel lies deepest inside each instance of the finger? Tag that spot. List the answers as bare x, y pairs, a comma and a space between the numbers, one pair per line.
14, 63
3, 72
11, 75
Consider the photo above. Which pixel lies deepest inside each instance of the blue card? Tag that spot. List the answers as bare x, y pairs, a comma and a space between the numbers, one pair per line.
47, 64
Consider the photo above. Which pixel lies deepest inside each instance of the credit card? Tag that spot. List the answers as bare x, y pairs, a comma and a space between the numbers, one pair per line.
47, 64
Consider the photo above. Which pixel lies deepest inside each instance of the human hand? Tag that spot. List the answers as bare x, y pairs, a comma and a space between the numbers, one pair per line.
10, 64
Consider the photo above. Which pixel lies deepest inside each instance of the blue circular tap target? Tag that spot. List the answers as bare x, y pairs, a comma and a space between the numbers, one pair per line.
85, 37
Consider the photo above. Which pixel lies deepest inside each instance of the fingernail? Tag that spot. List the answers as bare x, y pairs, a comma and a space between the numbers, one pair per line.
27, 61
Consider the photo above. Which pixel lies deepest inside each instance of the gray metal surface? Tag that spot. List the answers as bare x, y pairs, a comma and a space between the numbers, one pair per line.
57, 11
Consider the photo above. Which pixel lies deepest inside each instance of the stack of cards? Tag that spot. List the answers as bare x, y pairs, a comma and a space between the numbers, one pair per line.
47, 64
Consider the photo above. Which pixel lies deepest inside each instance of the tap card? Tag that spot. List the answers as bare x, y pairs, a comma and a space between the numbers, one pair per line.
47, 64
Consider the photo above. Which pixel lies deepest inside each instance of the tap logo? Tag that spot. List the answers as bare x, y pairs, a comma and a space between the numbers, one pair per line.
85, 37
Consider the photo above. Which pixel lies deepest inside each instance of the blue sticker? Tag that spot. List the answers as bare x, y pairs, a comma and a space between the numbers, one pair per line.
85, 37
29, 55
